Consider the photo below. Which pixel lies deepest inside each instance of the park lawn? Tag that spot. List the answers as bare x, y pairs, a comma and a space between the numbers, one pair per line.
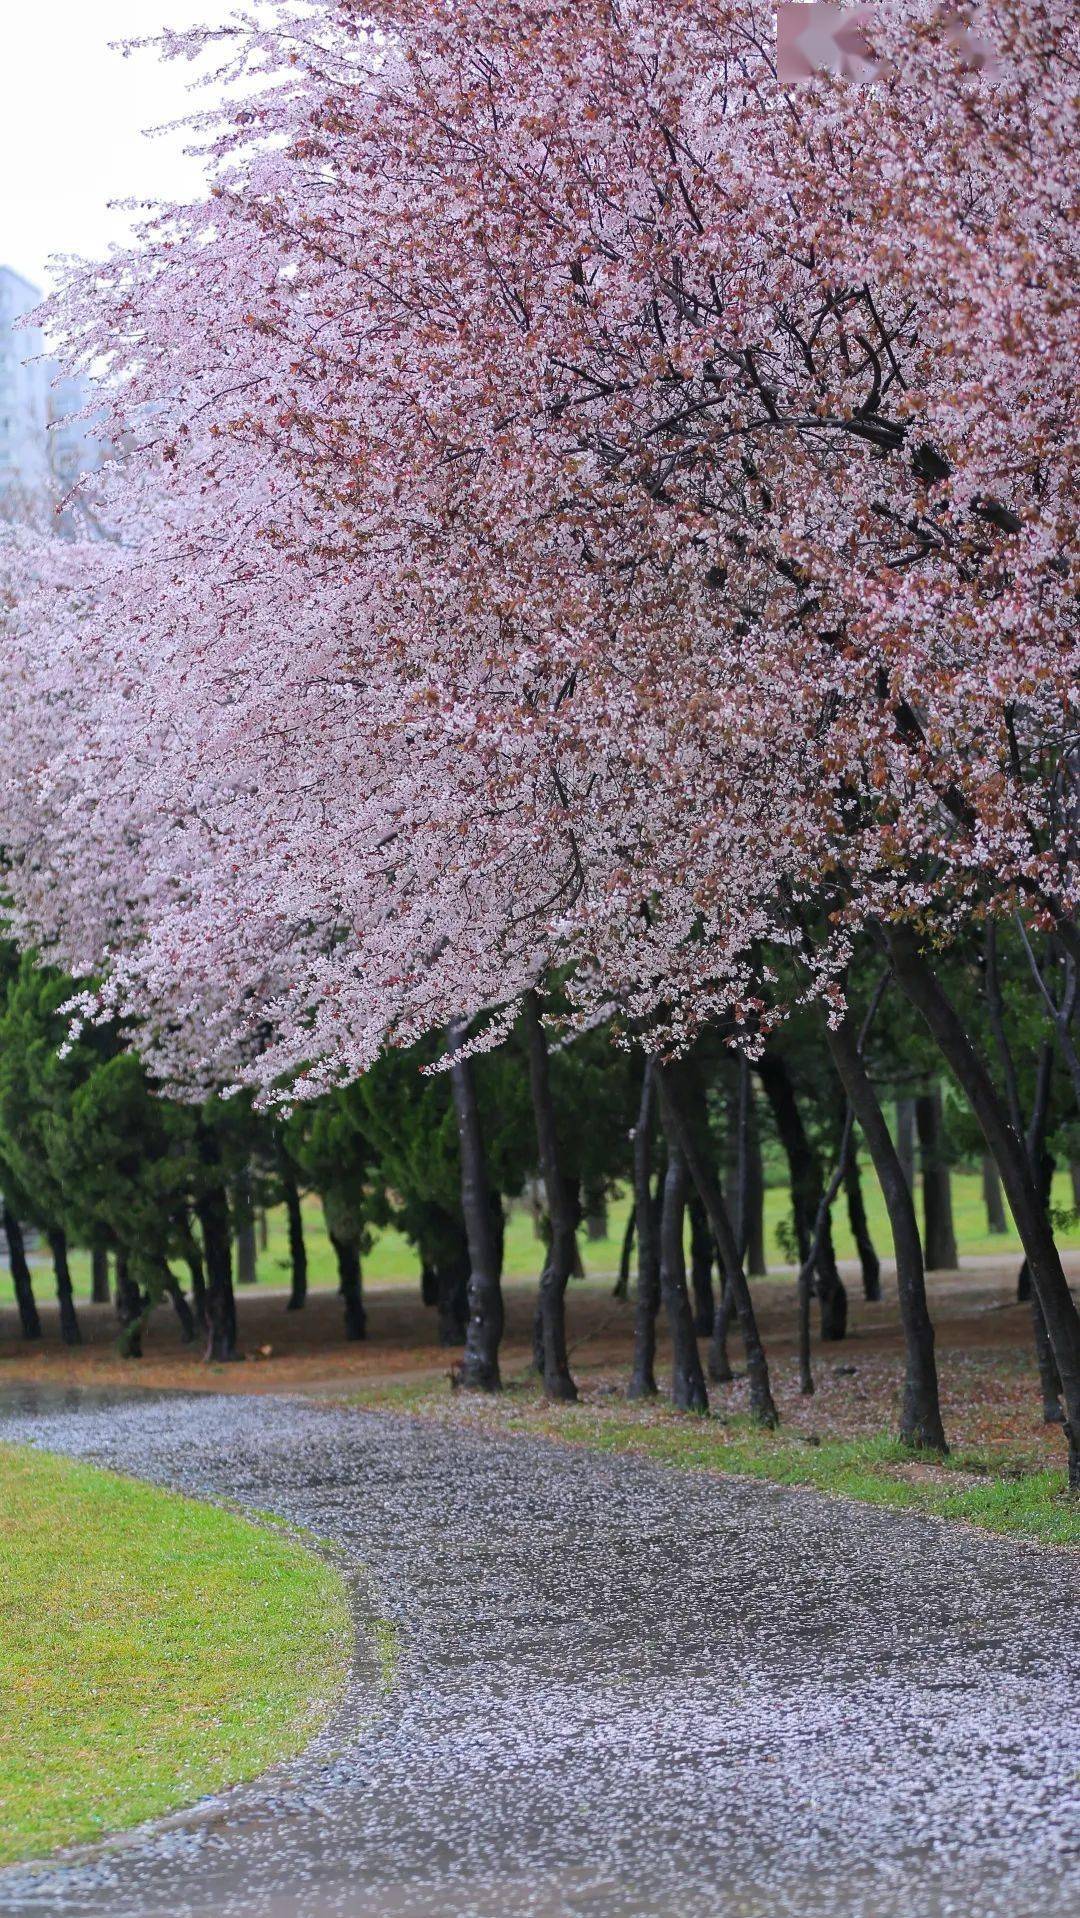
152, 1649
987, 1486
392, 1260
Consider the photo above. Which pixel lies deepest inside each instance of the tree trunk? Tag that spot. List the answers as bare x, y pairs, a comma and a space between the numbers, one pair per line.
860, 1229
452, 1297
171, 1288
920, 1418
701, 1264
806, 1375
642, 1374
1074, 1175
687, 1379
247, 1247
621, 1289
720, 1371
905, 1139
992, 1197
1049, 1379
193, 1259
297, 1248
596, 1220
755, 1196
212, 1209
480, 1365
922, 987
20, 1276
806, 1187
1049, 1376
939, 1238
130, 1309
99, 1275
65, 1297
558, 1383
685, 1119
351, 1286
1041, 1166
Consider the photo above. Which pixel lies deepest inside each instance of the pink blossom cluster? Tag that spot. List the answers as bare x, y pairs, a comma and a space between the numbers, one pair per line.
586, 505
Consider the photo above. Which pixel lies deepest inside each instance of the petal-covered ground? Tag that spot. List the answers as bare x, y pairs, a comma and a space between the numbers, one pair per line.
619, 1690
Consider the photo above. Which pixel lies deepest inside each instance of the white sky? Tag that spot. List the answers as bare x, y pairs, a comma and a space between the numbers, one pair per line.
71, 121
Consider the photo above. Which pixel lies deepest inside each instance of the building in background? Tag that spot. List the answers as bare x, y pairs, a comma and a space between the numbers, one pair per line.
24, 402
44, 448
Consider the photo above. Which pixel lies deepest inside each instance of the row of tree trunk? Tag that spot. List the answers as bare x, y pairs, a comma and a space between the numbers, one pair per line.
1016, 1167
691, 1177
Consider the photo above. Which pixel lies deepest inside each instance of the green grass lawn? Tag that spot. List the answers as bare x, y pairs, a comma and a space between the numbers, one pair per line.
152, 1649
392, 1259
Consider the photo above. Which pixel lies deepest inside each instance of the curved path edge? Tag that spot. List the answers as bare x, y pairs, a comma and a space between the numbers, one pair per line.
624, 1690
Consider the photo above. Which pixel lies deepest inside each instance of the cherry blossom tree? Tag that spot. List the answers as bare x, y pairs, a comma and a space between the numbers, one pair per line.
588, 504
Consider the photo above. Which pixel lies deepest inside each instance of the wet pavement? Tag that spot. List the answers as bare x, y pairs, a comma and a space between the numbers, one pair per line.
620, 1691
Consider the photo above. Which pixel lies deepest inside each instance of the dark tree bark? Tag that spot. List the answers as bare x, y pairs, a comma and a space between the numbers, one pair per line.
212, 1209
755, 1195
596, 1219
65, 1297
185, 1317
483, 1336
621, 1288
860, 1229
1040, 1166
298, 1266
803, 1294
684, 1119
452, 1296
22, 1283
905, 1139
99, 1275
193, 1259
445, 1277
687, 1379
702, 1252
247, 1247
1042, 1172
925, 992
734, 1193
130, 1309
351, 1286
1049, 1377
992, 1197
920, 1418
720, 1371
825, 1204
939, 1235
1074, 1175
558, 1383
643, 1374
804, 1169
1042, 1160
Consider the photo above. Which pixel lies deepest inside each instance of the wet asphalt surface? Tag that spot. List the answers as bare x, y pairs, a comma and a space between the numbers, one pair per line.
620, 1691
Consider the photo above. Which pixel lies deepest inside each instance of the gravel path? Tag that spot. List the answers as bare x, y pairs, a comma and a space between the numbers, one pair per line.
621, 1691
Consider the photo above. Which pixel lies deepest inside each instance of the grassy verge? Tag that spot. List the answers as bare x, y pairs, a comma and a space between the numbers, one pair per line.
985, 1486
154, 1649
